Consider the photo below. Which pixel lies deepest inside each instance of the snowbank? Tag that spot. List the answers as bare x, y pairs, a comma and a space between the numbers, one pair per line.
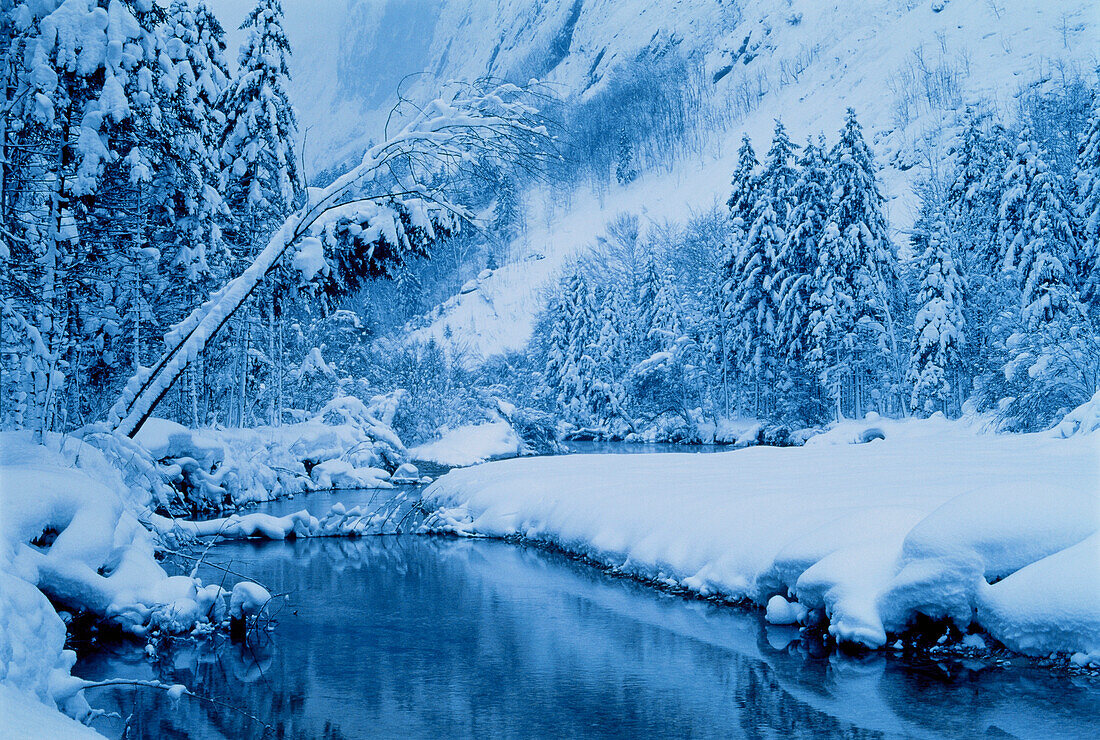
72, 537
921, 521
347, 444
472, 444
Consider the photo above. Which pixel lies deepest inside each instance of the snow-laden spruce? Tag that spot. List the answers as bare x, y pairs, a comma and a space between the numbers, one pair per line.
995, 532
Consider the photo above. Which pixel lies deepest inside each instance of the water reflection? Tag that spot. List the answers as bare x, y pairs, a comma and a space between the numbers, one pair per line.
417, 637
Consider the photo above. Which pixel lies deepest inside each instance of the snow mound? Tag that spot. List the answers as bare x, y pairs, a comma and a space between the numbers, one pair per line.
869, 536
1084, 419
1050, 605
472, 444
347, 444
72, 536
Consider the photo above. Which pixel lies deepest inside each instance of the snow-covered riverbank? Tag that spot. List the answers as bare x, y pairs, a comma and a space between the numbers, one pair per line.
998, 532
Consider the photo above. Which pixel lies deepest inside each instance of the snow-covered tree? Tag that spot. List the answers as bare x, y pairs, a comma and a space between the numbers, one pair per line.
743, 183
257, 147
853, 337
364, 223
797, 256
753, 282
741, 202
1037, 235
938, 327
605, 396
1087, 181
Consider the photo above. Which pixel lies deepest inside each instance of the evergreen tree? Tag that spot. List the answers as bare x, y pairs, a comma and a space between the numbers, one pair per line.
260, 181
604, 392
973, 194
557, 350
744, 182
797, 256
937, 329
625, 172
259, 164
854, 339
409, 292
1087, 204
665, 325
741, 202
1036, 235
753, 282
970, 204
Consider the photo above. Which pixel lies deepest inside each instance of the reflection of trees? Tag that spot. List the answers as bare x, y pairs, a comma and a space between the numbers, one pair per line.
417, 637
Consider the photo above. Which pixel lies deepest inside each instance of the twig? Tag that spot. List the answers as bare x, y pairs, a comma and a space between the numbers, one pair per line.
168, 687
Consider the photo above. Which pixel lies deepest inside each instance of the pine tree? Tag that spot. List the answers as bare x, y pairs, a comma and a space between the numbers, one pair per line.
604, 392
971, 206
797, 256
938, 335
557, 350
1036, 235
260, 169
854, 339
972, 199
665, 325
409, 291
259, 178
744, 182
754, 285
1087, 204
741, 201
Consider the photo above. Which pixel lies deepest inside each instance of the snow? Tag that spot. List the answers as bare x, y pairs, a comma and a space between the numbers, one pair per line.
472, 444
1082, 420
1050, 605
72, 536
780, 611
310, 258
248, 598
25, 718
347, 444
872, 535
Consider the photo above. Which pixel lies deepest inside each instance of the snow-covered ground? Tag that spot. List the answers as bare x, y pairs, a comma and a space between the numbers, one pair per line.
472, 444
992, 531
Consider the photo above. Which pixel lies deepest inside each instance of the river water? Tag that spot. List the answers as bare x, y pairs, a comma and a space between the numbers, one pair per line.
413, 636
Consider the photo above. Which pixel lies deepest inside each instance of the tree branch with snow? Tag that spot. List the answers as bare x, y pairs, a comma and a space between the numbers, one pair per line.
394, 203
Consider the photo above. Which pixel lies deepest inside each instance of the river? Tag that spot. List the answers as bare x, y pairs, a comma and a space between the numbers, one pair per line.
415, 636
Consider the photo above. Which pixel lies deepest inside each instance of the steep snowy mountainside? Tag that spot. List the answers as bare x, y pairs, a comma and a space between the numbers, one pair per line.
884, 59
904, 65
350, 56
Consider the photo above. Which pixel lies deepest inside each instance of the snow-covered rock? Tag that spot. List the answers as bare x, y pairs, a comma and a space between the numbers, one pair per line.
1084, 419
342, 474
406, 474
248, 598
780, 611
922, 522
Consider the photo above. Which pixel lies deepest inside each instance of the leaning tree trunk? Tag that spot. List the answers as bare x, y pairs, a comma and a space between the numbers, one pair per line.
442, 136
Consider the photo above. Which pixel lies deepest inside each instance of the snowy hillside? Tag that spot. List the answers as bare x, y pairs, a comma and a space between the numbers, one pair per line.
903, 65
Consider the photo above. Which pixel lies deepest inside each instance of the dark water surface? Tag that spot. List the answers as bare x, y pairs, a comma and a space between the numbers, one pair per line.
419, 637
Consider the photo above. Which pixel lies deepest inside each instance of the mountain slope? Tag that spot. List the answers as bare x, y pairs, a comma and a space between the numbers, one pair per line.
905, 66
